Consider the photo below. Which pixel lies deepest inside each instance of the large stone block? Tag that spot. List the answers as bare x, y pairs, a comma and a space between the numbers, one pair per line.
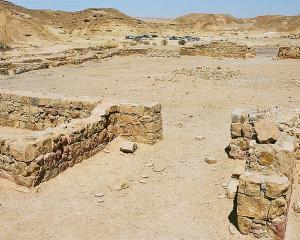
266, 130
253, 207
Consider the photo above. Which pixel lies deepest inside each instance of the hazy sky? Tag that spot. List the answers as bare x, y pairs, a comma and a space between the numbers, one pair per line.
173, 8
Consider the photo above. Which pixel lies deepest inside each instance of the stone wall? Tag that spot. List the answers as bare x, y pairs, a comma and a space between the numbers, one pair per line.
219, 49
39, 156
269, 141
39, 113
289, 52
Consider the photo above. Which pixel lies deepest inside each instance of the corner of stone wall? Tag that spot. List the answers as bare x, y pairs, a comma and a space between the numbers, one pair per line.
269, 144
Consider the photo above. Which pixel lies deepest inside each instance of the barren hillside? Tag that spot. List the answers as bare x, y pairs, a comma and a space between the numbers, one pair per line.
22, 24
197, 23
18, 24
205, 22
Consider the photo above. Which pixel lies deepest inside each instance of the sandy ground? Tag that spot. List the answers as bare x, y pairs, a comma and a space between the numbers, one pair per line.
180, 201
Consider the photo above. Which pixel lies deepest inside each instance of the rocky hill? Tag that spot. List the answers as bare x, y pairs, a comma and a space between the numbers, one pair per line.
197, 23
21, 24
18, 24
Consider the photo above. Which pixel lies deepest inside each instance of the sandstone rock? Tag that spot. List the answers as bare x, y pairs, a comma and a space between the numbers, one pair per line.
276, 186
128, 147
252, 207
235, 151
236, 130
296, 207
244, 225
239, 169
211, 160
250, 184
266, 130
278, 208
247, 130
231, 189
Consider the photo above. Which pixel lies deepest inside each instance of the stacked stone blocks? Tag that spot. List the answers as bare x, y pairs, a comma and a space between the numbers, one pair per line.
269, 142
42, 155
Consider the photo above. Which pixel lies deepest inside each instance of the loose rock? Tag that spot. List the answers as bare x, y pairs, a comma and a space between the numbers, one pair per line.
128, 147
232, 188
210, 160
296, 207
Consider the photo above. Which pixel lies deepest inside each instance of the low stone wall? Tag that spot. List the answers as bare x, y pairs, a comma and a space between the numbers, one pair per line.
40, 156
269, 141
289, 52
219, 49
38, 112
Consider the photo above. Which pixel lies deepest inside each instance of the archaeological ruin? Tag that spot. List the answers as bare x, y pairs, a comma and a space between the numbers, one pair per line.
219, 49
269, 141
41, 135
289, 52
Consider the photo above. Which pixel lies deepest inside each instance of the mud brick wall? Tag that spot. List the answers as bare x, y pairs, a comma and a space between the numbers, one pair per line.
40, 156
289, 52
269, 142
219, 49
37, 113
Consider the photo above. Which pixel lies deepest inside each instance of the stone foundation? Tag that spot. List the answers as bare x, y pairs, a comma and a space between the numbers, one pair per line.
289, 52
219, 49
86, 128
269, 142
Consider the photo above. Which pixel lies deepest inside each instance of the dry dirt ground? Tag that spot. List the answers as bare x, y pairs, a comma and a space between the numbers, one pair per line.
178, 198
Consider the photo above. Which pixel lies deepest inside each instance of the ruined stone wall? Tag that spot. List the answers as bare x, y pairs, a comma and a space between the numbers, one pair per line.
39, 113
289, 52
219, 49
136, 122
269, 141
39, 156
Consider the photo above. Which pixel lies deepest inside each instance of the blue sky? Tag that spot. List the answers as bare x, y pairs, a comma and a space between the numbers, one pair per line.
174, 8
